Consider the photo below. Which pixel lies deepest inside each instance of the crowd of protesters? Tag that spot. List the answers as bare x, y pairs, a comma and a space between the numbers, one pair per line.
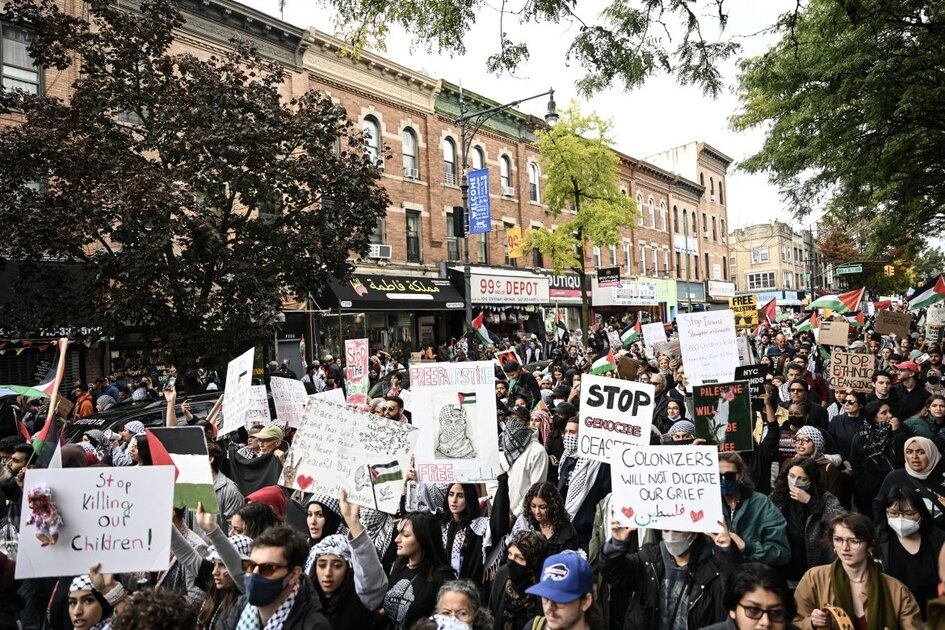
836, 516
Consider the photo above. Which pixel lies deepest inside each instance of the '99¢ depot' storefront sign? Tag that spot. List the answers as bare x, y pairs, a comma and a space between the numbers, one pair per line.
487, 289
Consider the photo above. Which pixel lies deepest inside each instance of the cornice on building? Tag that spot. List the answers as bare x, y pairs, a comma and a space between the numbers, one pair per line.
713, 153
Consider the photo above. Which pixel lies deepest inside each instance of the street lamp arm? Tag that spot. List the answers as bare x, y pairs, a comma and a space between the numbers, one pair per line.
478, 119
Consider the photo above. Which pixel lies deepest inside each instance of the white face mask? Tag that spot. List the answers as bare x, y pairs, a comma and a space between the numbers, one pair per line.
794, 483
677, 543
904, 527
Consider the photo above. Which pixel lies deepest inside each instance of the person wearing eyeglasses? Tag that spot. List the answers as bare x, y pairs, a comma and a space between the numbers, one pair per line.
757, 597
877, 450
278, 594
855, 584
798, 392
844, 428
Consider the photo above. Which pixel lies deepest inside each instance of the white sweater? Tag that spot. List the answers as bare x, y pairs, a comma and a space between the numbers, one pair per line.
531, 467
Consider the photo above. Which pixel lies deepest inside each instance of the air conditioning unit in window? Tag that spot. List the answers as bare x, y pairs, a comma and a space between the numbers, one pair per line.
379, 251
712, 198
724, 240
411, 173
508, 191
450, 178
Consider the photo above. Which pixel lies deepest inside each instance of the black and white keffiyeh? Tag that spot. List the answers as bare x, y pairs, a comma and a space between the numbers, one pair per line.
249, 618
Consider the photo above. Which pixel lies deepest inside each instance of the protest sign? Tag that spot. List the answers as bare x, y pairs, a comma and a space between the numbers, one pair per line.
258, 411
852, 370
667, 487
289, 397
239, 380
356, 370
670, 348
116, 516
338, 446
709, 346
336, 395
891, 322
723, 415
185, 448
454, 408
934, 323
613, 413
834, 333
407, 397
745, 310
755, 376
613, 337
653, 334
746, 355
507, 356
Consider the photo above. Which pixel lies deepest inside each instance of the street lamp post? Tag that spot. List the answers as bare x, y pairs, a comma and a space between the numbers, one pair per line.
469, 125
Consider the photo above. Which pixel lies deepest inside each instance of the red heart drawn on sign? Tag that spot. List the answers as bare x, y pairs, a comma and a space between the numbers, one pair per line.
304, 481
696, 516
628, 512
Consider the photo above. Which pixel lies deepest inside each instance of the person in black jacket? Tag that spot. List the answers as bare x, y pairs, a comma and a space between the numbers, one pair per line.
878, 449
464, 529
521, 380
693, 567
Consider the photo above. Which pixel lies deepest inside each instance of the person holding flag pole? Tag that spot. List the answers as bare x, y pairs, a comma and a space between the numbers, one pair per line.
46, 442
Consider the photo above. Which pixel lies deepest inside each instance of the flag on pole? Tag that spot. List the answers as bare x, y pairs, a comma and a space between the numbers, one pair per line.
808, 323
479, 327
843, 303
927, 295
770, 310
46, 441
560, 326
604, 364
856, 320
540, 406
632, 335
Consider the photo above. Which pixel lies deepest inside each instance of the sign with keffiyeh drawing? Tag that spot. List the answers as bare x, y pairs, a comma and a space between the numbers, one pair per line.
338, 446
454, 408
613, 413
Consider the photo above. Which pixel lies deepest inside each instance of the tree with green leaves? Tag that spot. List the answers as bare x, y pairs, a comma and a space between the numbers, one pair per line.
625, 43
192, 195
581, 177
853, 104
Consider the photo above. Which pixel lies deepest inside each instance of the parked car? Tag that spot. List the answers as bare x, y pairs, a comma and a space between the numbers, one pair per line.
151, 414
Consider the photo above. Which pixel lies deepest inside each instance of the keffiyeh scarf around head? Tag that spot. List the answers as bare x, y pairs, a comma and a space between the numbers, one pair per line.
514, 440
249, 618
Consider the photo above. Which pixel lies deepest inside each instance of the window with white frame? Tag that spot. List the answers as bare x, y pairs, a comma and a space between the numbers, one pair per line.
788, 279
452, 240
666, 262
613, 256
596, 257
372, 135
640, 209
478, 158
642, 259
505, 172
534, 193
17, 69
651, 206
449, 161
656, 259
411, 164
413, 237
760, 280
785, 253
759, 254
482, 248
627, 258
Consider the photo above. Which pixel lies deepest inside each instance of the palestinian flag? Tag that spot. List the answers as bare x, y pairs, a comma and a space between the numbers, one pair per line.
632, 335
46, 444
185, 448
605, 364
46, 441
383, 473
466, 398
479, 327
883, 305
824, 353
770, 310
560, 327
843, 303
540, 406
808, 323
930, 294
857, 320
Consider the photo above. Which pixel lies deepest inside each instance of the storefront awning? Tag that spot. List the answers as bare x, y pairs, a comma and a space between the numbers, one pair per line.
376, 292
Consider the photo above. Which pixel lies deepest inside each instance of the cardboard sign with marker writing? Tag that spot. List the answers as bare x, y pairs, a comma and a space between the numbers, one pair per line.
852, 370
890, 322
614, 412
834, 333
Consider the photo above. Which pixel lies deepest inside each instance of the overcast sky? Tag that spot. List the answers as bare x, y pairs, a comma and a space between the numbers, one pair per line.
658, 116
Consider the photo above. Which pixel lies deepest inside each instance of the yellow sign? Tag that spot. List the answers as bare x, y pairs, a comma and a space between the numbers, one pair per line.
745, 309
513, 236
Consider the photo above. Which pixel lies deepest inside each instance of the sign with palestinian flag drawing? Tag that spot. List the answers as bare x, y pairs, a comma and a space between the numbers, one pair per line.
185, 448
454, 408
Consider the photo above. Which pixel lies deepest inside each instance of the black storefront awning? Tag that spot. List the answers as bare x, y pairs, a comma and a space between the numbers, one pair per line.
376, 292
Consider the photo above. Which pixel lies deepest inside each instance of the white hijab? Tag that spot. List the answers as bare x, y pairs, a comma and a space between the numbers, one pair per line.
931, 450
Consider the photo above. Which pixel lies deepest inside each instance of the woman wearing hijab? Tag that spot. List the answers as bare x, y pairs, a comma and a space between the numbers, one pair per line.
680, 431
809, 442
323, 518
923, 472
855, 583
876, 451
98, 441
88, 608
511, 606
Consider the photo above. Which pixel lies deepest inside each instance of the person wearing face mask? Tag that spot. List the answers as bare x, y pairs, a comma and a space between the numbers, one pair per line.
522, 455
799, 496
511, 606
877, 450
930, 422
278, 594
758, 529
676, 583
554, 444
909, 545
582, 482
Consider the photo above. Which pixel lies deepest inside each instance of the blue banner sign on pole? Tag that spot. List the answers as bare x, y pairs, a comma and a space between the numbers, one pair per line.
480, 210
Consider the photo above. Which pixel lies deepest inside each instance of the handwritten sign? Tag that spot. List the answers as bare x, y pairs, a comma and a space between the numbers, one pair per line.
338, 446
724, 416
709, 346
289, 397
453, 405
745, 310
258, 412
654, 334
755, 376
667, 487
934, 323
116, 516
899, 324
336, 395
613, 338
834, 333
852, 370
356, 370
614, 413
239, 380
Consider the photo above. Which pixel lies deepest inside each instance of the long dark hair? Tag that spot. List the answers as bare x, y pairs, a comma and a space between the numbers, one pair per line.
257, 518
471, 511
144, 451
426, 529
781, 493
339, 599
548, 493
217, 601
898, 495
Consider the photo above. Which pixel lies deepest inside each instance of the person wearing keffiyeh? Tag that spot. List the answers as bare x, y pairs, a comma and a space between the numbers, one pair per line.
88, 609
582, 482
522, 455
877, 449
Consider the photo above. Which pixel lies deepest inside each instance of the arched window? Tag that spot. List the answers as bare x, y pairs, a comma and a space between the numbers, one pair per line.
722, 229
663, 215
505, 175
478, 158
693, 225
533, 179
411, 164
372, 134
640, 209
712, 186
675, 219
651, 206
449, 161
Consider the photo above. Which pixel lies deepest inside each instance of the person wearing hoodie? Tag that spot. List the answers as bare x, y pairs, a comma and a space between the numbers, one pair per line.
278, 593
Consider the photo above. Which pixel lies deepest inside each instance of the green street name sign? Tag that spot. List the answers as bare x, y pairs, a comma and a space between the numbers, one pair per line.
849, 269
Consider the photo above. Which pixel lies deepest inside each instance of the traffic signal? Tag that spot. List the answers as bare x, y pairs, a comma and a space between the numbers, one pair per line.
889, 270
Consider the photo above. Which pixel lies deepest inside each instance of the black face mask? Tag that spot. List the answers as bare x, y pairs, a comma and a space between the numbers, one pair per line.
933, 379
521, 576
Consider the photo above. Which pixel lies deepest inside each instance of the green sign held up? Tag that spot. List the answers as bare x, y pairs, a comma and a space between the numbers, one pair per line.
723, 415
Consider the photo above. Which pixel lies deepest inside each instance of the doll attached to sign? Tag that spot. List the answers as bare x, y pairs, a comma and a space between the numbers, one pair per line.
44, 515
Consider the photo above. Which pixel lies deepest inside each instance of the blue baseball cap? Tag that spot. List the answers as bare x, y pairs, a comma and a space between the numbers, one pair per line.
565, 577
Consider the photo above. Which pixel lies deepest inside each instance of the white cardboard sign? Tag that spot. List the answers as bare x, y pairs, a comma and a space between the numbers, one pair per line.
453, 405
709, 347
289, 397
239, 380
667, 487
614, 413
336, 395
653, 334
117, 516
258, 412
